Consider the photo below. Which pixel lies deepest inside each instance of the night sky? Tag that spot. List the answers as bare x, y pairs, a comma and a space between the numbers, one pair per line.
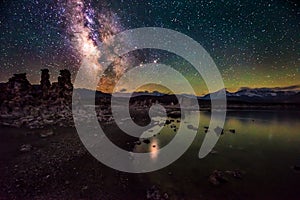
253, 43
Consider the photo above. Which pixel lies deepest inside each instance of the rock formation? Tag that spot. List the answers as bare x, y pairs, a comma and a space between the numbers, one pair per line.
65, 84
36, 106
45, 83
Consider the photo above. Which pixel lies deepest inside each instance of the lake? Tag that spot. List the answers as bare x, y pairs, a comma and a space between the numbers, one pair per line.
264, 148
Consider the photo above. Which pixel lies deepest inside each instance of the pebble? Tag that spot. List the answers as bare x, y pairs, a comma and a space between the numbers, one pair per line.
235, 173
26, 148
46, 133
192, 127
214, 152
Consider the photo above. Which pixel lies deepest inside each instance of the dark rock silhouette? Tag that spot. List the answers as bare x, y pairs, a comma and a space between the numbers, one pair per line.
37, 106
45, 82
64, 83
19, 82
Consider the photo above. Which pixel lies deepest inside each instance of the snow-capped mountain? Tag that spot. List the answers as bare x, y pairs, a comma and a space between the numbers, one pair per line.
260, 95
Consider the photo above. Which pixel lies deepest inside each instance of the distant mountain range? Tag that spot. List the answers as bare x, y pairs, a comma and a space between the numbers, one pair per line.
244, 95
261, 95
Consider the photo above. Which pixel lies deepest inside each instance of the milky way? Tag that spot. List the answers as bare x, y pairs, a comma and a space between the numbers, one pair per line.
88, 29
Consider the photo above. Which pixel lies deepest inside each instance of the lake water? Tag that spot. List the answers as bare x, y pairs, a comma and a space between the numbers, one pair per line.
264, 147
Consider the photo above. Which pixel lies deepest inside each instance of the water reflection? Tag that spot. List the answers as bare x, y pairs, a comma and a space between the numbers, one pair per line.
265, 144
153, 149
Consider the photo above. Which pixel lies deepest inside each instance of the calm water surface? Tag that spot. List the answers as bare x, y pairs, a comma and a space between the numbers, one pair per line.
265, 146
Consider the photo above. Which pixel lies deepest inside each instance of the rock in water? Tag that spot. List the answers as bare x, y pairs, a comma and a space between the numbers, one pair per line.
232, 130
219, 131
168, 122
175, 114
192, 127
146, 141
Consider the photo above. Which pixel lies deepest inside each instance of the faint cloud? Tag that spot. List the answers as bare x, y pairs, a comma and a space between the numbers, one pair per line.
286, 88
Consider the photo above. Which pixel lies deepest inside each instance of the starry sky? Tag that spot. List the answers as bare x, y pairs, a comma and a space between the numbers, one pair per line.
254, 43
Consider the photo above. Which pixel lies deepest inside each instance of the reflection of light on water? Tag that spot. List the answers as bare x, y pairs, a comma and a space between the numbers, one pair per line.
247, 143
153, 149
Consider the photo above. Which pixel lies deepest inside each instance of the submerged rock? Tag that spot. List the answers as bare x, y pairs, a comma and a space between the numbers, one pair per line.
232, 130
219, 130
168, 122
175, 114
192, 127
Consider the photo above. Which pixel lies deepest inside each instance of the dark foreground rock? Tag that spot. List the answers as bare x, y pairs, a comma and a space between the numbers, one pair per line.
219, 177
37, 106
58, 167
155, 194
23, 105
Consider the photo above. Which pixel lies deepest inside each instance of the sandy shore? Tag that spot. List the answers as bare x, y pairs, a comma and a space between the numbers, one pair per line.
58, 167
